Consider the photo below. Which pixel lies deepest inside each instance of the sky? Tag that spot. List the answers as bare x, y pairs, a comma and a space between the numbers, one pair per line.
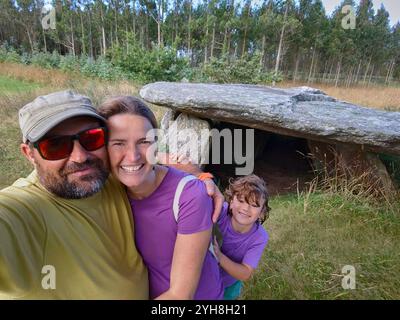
391, 6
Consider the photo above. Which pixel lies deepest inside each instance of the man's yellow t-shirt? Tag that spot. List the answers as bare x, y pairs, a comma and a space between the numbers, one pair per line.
55, 248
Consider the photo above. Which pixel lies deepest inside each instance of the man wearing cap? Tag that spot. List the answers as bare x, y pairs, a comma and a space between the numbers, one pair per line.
66, 231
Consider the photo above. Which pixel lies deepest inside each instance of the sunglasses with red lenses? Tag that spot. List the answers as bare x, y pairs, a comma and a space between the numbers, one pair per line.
60, 147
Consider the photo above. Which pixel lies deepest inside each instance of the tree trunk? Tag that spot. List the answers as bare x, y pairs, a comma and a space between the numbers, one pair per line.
231, 13
159, 33
90, 34
134, 19
244, 42
224, 44
312, 66
278, 57
127, 38
212, 41
339, 65
353, 75
83, 34
262, 52
391, 71
146, 32
72, 38
189, 29
116, 21
313, 78
330, 72
103, 32
388, 71
228, 49
159, 21
349, 77
358, 72
176, 21
111, 38
325, 71
366, 71
370, 76
30, 39
162, 20
206, 40
44, 40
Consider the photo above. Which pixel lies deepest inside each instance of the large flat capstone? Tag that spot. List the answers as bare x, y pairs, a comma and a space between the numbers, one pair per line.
300, 112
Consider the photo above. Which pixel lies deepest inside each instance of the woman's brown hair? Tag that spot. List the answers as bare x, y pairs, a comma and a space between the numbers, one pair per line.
127, 104
252, 189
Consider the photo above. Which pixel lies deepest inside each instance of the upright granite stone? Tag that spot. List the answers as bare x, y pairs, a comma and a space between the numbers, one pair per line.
185, 135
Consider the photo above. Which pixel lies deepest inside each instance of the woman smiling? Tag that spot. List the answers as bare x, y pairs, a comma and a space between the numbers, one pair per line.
174, 248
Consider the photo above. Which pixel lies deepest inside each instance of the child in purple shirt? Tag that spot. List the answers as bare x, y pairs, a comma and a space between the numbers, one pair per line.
244, 238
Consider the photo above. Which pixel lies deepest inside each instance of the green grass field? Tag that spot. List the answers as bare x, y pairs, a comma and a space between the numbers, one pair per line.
308, 249
312, 236
9, 85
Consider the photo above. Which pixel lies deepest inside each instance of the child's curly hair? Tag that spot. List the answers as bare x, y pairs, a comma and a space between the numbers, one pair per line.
252, 188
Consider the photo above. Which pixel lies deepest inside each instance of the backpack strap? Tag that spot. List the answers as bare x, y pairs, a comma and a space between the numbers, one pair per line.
175, 206
178, 193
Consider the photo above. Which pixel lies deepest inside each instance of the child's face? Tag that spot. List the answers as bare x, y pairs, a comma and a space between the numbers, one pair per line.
244, 213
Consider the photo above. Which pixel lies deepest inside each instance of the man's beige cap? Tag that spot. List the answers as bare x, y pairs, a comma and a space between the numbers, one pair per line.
45, 112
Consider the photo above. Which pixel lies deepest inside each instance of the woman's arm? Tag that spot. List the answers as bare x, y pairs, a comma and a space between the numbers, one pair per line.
187, 262
240, 271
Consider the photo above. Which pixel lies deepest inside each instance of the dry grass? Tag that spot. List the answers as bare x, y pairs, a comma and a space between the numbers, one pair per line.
359, 177
51, 80
50, 77
377, 97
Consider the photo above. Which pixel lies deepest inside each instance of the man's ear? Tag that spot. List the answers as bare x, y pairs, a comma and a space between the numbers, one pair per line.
27, 151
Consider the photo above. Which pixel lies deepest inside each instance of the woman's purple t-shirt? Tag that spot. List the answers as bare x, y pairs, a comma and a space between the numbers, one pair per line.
156, 230
240, 247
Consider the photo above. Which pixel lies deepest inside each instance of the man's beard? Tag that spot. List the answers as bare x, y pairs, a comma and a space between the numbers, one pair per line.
82, 187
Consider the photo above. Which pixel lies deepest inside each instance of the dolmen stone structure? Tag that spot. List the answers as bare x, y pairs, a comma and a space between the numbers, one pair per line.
333, 129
